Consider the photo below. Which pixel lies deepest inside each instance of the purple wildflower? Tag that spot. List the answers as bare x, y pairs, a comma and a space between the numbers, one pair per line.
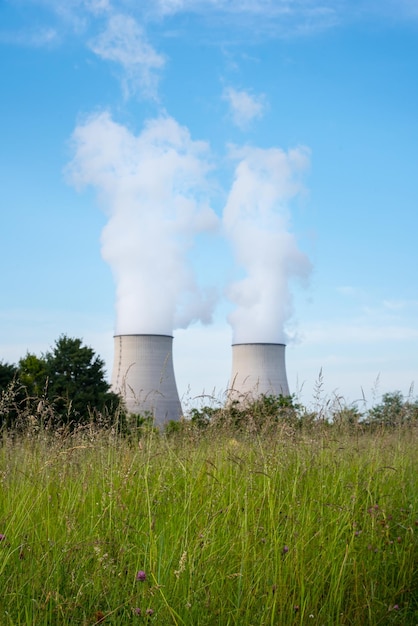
2, 537
285, 549
141, 575
137, 611
396, 607
149, 612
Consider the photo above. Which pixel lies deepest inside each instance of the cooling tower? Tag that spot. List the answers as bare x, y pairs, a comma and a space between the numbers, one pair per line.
143, 374
258, 369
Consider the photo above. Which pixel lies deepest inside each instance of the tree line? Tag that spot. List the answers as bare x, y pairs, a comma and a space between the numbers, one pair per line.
67, 386
64, 386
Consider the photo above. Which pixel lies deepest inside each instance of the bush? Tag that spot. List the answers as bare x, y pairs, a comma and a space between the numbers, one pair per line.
393, 411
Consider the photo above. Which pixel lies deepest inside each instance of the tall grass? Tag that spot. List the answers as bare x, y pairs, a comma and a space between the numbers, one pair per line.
314, 528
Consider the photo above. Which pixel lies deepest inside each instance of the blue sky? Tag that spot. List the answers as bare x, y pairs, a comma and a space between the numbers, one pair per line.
305, 110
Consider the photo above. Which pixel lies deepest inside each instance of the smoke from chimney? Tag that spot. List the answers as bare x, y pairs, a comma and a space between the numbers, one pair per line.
152, 187
256, 221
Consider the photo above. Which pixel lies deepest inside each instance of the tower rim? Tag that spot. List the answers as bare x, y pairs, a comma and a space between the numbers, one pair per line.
143, 335
258, 343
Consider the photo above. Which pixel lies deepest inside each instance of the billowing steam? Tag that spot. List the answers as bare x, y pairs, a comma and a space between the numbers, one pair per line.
152, 186
256, 221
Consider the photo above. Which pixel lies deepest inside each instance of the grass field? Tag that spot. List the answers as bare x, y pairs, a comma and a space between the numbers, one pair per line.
315, 527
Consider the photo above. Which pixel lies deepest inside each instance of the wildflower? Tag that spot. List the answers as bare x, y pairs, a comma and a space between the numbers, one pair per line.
149, 612
296, 608
141, 575
137, 611
396, 607
182, 565
2, 537
285, 549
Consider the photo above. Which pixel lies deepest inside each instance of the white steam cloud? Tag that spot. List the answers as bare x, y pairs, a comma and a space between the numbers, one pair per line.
257, 223
153, 188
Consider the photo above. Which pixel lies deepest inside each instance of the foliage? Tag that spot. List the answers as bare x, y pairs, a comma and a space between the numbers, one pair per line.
66, 386
393, 411
347, 417
8, 373
9, 395
34, 375
253, 415
76, 382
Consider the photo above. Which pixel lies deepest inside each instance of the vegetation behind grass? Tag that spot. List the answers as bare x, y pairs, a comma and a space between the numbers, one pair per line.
285, 526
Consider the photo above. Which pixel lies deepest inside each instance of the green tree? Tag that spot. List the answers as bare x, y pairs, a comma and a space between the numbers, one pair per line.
8, 373
33, 375
66, 385
393, 411
76, 383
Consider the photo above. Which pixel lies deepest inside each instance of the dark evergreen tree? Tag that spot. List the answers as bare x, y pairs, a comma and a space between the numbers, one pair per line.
76, 384
65, 386
8, 373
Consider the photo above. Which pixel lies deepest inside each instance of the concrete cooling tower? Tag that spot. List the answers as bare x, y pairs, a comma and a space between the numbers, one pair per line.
258, 369
143, 374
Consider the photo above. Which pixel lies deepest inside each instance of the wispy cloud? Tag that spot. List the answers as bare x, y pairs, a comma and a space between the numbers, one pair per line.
33, 37
285, 7
280, 17
244, 106
252, 19
98, 6
385, 321
124, 42
359, 332
347, 290
395, 305
285, 18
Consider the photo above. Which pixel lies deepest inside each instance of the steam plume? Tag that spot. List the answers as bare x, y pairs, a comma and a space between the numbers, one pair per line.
152, 188
257, 222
